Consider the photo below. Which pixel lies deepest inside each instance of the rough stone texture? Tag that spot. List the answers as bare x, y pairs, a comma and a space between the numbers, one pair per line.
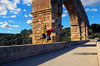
98, 49
49, 12
77, 55
46, 12
11, 53
78, 19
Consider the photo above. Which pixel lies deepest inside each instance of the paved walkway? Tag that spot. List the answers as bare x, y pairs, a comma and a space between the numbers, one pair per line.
81, 55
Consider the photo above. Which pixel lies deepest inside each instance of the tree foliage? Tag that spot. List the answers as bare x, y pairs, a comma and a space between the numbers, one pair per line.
16, 39
66, 34
94, 31
23, 36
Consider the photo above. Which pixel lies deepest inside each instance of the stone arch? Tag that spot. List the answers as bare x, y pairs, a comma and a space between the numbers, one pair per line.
76, 10
75, 21
49, 12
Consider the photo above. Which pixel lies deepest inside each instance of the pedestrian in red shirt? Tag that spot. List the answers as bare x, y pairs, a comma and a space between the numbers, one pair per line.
48, 31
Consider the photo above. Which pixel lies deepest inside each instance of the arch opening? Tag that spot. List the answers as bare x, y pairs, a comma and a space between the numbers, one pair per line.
66, 31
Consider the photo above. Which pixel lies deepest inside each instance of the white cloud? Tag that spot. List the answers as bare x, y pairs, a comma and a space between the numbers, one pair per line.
6, 5
8, 31
92, 10
25, 10
92, 16
15, 25
27, 2
95, 10
5, 16
3, 10
6, 24
13, 16
63, 6
11, 29
87, 9
30, 15
20, 12
90, 2
29, 21
25, 16
16, 11
11, 21
1, 22
63, 15
16, 1
65, 11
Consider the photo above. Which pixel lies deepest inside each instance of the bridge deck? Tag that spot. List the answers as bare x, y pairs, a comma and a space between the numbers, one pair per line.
81, 55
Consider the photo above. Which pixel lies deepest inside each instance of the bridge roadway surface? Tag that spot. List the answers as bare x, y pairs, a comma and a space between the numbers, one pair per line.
79, 55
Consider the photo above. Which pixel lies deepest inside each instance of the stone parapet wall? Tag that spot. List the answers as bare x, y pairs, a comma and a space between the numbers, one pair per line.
98, 49
12, 53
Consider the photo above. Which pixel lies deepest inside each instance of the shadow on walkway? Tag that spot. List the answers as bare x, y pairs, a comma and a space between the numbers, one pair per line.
37, 60
90, 45
85, 53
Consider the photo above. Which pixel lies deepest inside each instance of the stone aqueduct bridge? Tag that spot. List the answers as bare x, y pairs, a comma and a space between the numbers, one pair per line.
79, 52
49, 12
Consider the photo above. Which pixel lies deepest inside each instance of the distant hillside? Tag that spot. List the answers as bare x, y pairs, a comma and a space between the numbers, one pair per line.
16, 39
94, 31
2, 34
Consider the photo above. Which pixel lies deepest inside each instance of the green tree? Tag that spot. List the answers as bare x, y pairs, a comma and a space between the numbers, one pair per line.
66, 34
16, 39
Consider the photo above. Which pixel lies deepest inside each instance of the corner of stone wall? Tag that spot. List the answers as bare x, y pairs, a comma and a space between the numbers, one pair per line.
98, 52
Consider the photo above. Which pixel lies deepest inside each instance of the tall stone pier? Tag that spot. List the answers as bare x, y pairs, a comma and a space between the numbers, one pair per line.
49, 12
78, 20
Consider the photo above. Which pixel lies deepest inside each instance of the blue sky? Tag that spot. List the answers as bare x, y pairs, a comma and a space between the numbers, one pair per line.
15, 14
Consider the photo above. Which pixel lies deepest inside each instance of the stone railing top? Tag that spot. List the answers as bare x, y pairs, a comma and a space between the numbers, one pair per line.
39, 44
